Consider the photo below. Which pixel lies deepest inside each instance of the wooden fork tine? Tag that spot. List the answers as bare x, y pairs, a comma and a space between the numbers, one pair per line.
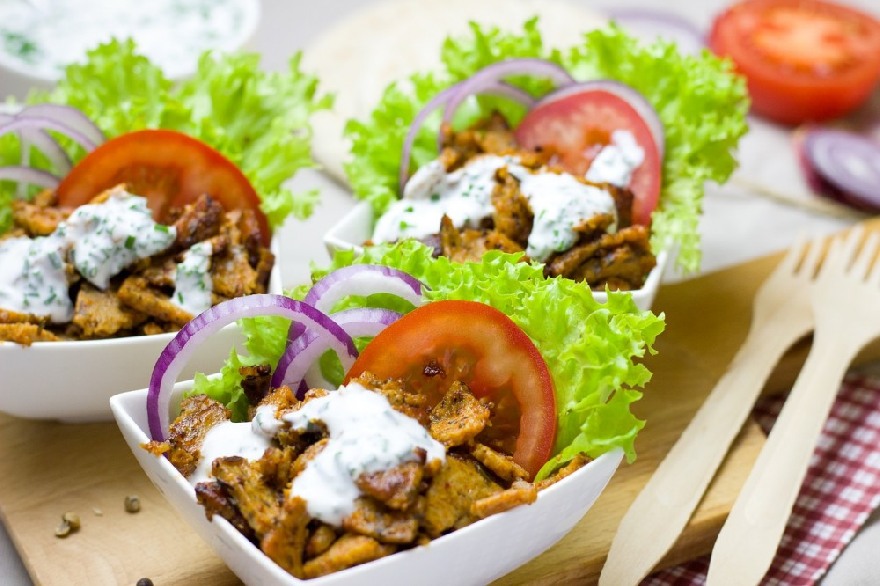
812, 259
865, 261
850, 246
792, 260
838, 258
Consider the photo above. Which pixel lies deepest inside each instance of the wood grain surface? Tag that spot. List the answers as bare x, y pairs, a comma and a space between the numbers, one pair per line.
49, 468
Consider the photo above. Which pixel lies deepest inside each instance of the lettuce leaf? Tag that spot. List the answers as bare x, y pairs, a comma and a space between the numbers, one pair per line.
701, 103
590, 348
259, 120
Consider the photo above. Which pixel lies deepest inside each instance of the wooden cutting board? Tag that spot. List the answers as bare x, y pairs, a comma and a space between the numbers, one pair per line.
47, 468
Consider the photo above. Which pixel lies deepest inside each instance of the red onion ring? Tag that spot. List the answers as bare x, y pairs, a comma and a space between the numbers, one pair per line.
178, 351
68, 117
848, 162
42, 141
363, 280
20, 123
492, 74
57, 156
360, 280
416, 125
300, 365
626, 93
501, 88
29, 176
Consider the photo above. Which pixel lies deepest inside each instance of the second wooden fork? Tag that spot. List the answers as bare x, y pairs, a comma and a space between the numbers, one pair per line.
846, 308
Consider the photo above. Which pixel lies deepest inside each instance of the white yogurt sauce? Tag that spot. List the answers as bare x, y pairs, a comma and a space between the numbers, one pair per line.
43, 37
33, 279
108, 237
617, 161
229, 439
558, 201
365, 435
192, 280
101, 240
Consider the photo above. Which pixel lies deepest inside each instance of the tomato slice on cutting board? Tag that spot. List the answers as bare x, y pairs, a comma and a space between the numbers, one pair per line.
578, 124
169, 168
445, 341
804, 60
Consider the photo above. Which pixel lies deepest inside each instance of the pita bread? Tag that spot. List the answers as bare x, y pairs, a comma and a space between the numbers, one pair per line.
387, 41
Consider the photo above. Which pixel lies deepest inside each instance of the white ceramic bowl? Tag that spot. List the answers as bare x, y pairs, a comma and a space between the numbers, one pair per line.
356, 226
459, 558
17, 79
73, 380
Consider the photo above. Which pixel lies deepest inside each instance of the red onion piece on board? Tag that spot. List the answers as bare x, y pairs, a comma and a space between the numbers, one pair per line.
178, 351
847, 162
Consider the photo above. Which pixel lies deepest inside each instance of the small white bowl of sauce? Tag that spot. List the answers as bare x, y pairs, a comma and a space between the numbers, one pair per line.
38, 38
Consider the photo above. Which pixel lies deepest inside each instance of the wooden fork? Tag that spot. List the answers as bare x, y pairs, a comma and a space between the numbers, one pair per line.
846, 305
782, 314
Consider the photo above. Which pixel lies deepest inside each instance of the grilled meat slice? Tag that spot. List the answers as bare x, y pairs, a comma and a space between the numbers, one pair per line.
459, 416
100, 314
371, 519
448, 499
347, 551
198, 414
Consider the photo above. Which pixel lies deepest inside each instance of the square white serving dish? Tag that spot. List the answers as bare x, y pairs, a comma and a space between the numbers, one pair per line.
72, 381
460, 558
356, 226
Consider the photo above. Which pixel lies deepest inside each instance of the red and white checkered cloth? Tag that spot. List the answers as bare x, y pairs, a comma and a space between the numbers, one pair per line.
841, 489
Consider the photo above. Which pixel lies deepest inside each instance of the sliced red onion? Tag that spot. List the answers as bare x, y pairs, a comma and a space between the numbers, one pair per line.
294, 368
47, 145
365, 321
300, 367
176, 354
499, 89
42, 141
362, 280
846, 161
416, 125
815, 182
650, 24
69, 117
489, 76
29, 176
623, 91
20, 123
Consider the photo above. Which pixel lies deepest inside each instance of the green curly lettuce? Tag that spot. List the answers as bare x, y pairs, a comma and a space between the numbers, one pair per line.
259, 120
701, 103
590, 348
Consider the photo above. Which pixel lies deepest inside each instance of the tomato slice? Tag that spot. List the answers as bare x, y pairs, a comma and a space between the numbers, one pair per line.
445, 341
577, 125
169, 168
804, 60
